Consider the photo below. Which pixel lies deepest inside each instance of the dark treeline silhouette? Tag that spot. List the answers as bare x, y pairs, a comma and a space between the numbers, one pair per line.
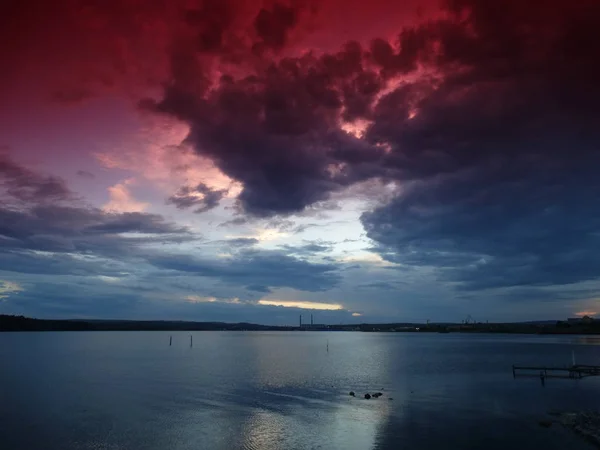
21, 323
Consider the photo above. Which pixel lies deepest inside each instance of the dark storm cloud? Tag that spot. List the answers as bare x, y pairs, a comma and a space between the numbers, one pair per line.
489, 233
210, 22
186, 198
278, 131
41, 235
26, 185
502, 153
260, 267
492, 133
272, 25
62, 229
274, 124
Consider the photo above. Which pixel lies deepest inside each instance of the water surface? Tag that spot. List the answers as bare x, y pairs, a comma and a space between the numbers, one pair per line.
278, 390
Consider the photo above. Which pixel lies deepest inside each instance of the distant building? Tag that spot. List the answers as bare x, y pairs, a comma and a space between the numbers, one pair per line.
312, 325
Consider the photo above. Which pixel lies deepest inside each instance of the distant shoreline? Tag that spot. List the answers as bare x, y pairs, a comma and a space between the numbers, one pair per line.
20, 323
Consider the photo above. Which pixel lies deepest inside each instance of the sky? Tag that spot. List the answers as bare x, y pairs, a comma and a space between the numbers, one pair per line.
253, 160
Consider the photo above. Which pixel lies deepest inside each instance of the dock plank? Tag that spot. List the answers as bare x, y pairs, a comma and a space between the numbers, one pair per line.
574, 371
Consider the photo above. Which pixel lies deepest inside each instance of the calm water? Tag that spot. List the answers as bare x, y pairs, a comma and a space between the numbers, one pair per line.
263, 390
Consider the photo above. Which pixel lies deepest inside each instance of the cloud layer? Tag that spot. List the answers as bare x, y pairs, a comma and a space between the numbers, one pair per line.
470, 132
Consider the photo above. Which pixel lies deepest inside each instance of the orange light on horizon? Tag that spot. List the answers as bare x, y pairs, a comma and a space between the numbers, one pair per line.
200, 299
9, 287
585, 313
301, 304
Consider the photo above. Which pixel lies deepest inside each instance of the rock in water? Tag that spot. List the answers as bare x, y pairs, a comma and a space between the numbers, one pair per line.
352, 393
367, 396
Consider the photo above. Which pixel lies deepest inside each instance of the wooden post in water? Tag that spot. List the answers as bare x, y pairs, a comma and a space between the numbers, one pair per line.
190, 340
170, 340
327, 345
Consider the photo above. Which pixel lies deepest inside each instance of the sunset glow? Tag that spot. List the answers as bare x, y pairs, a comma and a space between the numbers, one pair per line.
382, 161
585, 313
300, 304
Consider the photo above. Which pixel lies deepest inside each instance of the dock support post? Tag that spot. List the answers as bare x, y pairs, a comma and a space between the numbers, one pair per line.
170, 340
190, 340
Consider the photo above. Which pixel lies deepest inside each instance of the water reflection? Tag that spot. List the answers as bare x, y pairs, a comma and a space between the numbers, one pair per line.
283, 390
588, 340
264, 430
304, 394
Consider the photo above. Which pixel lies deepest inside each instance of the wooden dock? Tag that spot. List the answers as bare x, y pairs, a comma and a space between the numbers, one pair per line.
576, 371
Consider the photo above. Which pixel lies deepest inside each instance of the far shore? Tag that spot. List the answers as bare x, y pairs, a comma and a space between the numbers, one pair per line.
20, 323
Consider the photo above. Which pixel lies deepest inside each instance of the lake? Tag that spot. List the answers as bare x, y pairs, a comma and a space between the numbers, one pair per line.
280, 390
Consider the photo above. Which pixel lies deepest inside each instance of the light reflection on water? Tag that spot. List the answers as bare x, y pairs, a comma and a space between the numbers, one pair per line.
284, 391
587, 340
